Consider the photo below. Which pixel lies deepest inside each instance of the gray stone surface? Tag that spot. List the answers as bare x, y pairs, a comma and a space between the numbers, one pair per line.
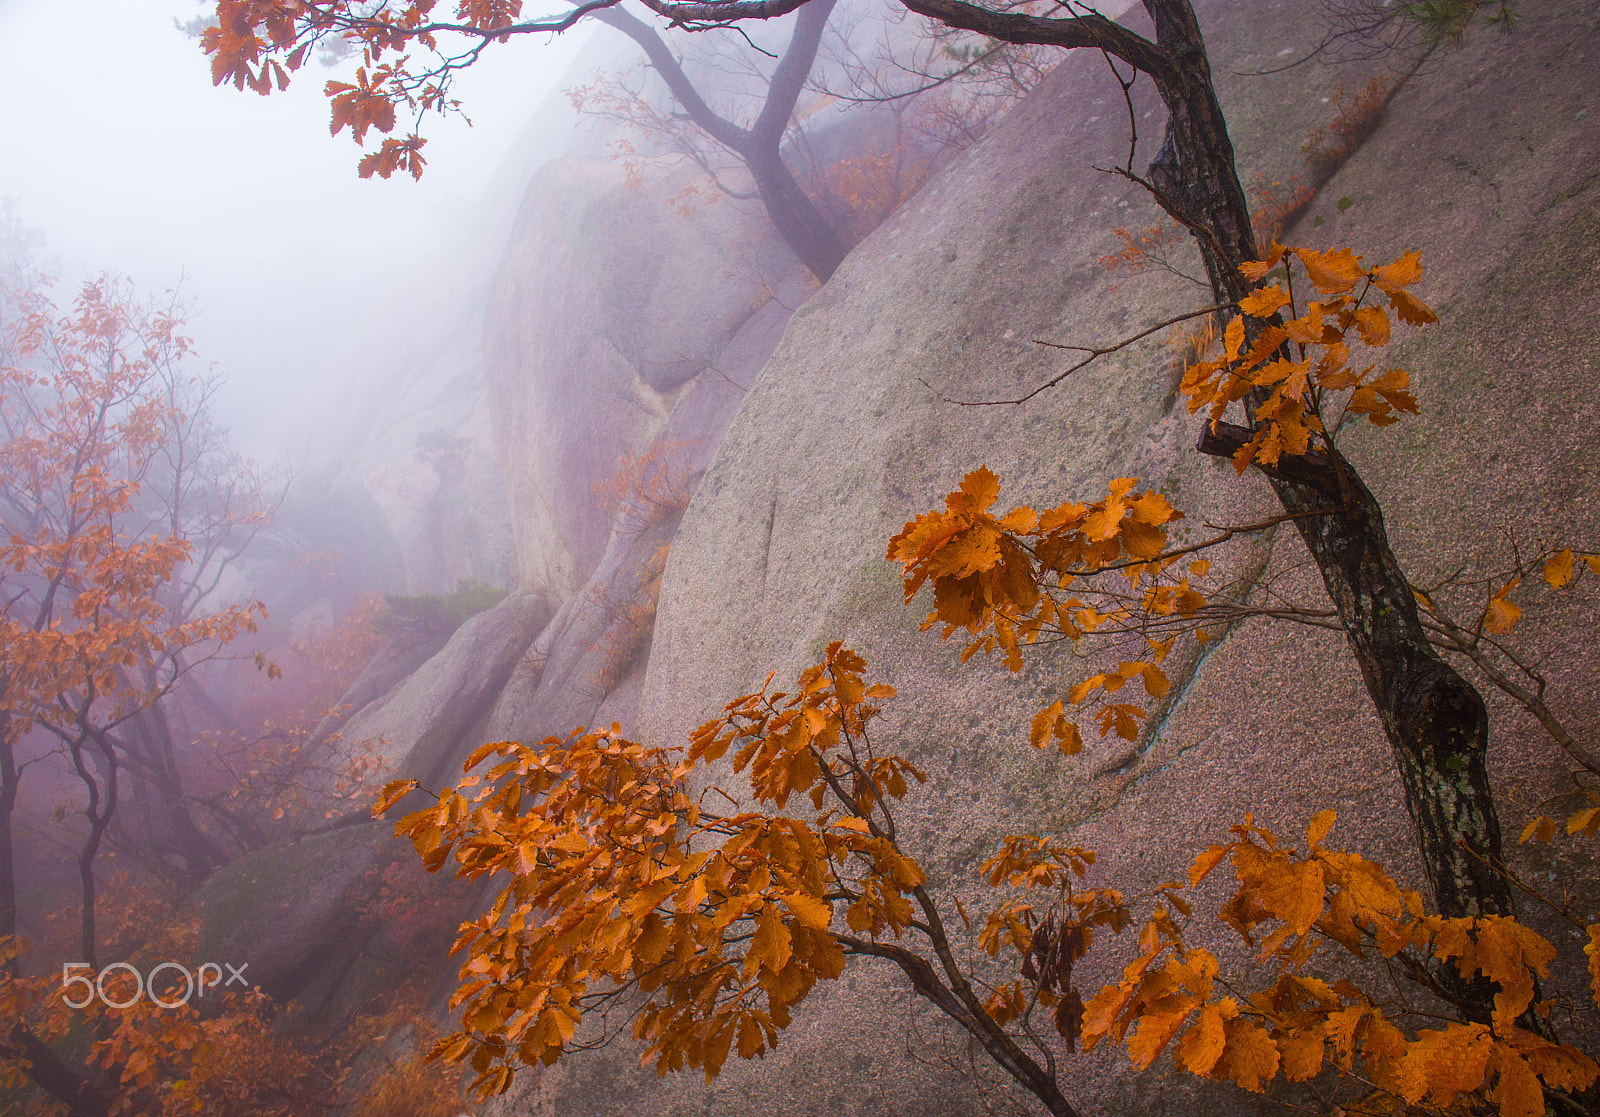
610, 306
1486, 165
425, 720
290, 911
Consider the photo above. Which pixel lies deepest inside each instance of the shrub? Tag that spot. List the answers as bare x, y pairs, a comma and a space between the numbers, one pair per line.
432, 614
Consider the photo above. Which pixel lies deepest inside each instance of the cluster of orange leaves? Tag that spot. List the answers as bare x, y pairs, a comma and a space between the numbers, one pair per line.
249, 36
626, 894
1140, 249
1172, 992
1048, 939
630, 621
719, 923
647, 488
1296, 385
82, 602
1007, 581
163, 1062
861, 192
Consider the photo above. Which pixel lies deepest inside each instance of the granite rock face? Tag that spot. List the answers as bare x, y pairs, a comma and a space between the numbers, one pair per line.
597, 356
1485, 163
808, 436
610, 309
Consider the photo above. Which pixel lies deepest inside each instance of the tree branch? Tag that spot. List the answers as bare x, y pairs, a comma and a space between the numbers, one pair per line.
662, 60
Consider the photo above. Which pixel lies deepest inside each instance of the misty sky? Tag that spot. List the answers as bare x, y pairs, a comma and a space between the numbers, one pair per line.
306, 278
115, 144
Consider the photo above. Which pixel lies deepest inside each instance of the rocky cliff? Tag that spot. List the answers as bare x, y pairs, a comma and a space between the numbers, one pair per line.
1485, 163
619, 331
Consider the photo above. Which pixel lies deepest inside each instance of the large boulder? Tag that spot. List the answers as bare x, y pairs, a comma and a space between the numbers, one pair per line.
1485, 164
587, 666
427, 718
292, 912
610, 306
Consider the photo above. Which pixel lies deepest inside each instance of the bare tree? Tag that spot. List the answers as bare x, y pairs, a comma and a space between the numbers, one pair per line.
758, 146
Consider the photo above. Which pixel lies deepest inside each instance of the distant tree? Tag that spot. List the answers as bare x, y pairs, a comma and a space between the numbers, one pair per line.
102, 593
758, 145
196, 488
852, 191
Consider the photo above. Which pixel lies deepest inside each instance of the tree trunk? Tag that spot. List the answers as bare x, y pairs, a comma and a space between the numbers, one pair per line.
173, 827
81, 1096
794, 215
1435, 721
9, 777
796, 218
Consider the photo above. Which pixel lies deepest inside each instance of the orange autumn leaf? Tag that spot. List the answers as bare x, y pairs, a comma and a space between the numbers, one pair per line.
1501, 615
1558, 569
1332, 272
1250, 1059
1202, 1045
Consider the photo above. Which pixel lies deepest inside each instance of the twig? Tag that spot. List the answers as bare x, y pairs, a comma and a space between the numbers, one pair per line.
1092, 355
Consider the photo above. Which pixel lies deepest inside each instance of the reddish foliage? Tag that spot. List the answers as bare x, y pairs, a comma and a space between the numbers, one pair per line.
630, 622
1358, 116
859, 194
1278, 205
648, 488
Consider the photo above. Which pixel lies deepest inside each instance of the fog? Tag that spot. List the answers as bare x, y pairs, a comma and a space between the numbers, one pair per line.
652, 399
115, 144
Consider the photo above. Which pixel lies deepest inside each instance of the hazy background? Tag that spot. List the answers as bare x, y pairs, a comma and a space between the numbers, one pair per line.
307, 279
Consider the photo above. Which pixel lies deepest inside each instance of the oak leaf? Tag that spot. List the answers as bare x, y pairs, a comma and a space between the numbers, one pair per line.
1264, 302
1332, 272
1202, 1045
1301, 1051
1558, 568
1402, 273
1250, 1058
1541, 829
1502, 615
1373, 325
1411, 310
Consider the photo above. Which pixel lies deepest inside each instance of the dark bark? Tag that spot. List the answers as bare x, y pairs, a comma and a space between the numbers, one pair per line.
796, 218
1095, 31
1193, 176
81, 1095
9, 777
173, 828
1435, 721
98, 813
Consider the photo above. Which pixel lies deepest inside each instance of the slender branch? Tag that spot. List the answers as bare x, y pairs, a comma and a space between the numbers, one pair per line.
1093, 354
